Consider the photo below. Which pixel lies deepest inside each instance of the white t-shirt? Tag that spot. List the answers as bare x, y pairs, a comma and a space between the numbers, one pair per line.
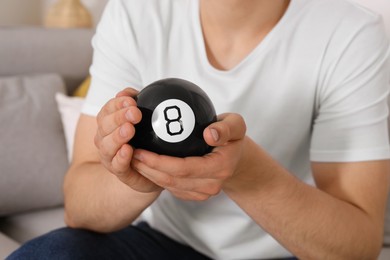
314, 89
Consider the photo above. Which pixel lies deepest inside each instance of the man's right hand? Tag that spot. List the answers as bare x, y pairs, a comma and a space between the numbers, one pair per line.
116, 122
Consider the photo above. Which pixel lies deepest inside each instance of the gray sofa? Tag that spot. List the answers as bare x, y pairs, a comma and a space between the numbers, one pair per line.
35, 63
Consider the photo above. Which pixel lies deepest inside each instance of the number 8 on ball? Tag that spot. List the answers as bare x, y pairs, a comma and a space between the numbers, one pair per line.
173, 120
174, 114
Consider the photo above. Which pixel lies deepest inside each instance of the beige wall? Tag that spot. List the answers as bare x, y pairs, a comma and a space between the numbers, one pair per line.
94, 6
31, 12
20, 12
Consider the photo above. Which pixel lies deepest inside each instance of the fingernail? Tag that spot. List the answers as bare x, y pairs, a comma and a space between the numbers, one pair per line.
123, 131
214, 134
126, 103
122, 153
138, 156
129, 116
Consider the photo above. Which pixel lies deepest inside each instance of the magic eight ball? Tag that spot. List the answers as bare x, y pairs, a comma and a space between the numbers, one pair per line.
175, 113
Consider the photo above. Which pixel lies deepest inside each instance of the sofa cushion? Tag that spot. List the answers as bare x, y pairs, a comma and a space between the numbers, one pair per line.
82, 90
25, 50
33, 156
7, 246
70, 109
26, 226
385, 254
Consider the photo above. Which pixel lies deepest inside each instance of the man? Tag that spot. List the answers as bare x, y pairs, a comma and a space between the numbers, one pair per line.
300, 164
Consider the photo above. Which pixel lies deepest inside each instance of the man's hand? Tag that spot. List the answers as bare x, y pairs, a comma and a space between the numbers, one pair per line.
198, 178
116, 122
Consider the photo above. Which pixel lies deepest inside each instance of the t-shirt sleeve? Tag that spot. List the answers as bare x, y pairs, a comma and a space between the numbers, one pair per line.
351, 117
115, 60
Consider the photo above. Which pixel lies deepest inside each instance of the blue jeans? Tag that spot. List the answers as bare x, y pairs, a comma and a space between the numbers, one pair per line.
134, 242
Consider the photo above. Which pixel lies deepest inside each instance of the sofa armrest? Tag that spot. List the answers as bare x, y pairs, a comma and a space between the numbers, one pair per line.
7, 246
27, 50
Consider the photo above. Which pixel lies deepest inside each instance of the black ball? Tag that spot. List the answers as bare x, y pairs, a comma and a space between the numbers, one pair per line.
175, 113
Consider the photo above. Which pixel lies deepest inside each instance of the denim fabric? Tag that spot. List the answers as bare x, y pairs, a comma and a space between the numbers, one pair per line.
132, 243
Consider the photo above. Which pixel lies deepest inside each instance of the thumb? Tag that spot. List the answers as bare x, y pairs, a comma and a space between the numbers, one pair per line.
127, 92
229, 127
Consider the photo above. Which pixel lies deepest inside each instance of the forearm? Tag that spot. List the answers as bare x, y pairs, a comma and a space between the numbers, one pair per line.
307, 221
97, 200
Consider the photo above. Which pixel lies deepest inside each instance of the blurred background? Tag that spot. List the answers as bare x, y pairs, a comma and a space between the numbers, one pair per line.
32, 12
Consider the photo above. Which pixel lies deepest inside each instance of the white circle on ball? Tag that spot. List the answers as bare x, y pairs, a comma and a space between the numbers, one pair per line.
173, 120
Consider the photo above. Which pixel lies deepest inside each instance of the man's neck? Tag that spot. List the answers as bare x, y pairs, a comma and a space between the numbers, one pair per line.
233, 28
236, 15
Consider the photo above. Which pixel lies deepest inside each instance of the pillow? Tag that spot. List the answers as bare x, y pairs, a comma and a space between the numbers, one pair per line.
82, 90
33, 157
70, 108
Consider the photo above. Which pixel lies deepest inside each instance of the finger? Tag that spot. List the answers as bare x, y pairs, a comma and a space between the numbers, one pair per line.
116, 104
121, 161
228, 128
130, 92
161, 179
175, 166
209, 187
189, 196
107, 124
109, 145
189, 167
122, 169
